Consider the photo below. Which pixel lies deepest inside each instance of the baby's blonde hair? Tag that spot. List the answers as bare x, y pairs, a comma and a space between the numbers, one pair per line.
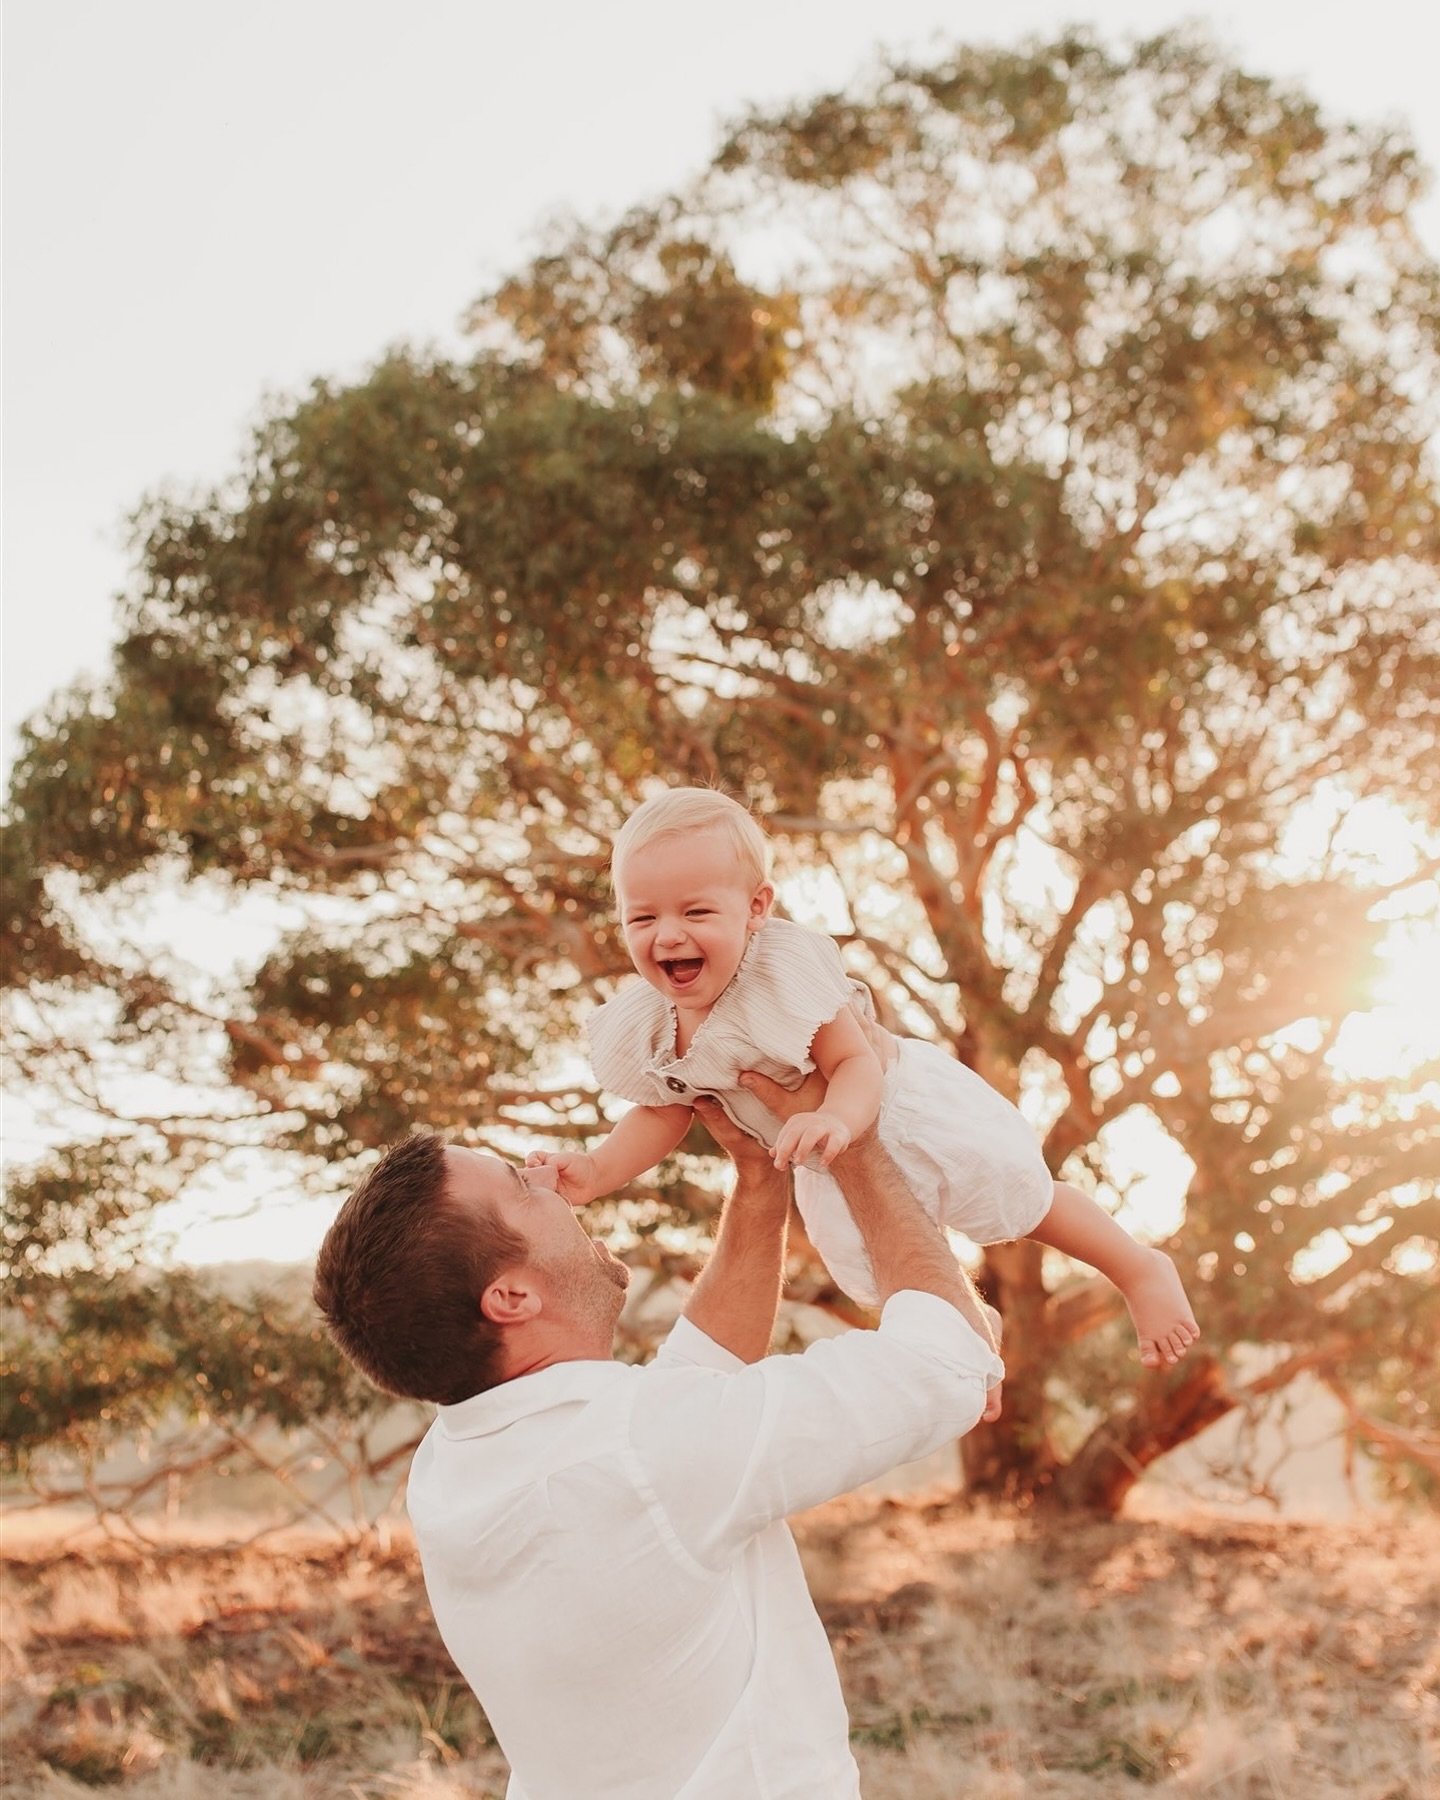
680, 811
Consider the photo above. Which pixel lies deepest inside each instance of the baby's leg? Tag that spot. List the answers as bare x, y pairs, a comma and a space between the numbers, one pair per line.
1147, 1278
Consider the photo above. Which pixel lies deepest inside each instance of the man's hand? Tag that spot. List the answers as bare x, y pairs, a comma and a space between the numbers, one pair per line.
785, 1102
807, 1134
993, 1396
749, 1155
576, 1179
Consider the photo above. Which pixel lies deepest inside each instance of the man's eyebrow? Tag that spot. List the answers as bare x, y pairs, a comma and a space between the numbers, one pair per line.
520, 1181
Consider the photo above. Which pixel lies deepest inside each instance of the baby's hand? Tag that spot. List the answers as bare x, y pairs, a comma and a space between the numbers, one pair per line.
575, 1174
807, 1134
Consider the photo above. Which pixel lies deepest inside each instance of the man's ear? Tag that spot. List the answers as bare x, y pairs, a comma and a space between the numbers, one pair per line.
761, 902
510, 1299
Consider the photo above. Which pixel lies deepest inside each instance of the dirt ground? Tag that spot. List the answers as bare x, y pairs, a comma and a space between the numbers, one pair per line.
980, 1656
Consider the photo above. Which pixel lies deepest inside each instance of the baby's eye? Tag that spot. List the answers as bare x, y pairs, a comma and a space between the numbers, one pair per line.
638, 919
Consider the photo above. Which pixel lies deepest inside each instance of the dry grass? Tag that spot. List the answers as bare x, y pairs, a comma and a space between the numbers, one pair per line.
1197, 1656
980, 1657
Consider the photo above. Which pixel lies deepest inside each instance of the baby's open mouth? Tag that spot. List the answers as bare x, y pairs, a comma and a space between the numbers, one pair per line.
682, 970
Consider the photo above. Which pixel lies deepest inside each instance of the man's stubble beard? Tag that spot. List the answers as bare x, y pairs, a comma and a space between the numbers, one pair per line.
594, 1295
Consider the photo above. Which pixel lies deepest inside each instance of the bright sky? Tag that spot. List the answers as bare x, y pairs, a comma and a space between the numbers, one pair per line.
205, 205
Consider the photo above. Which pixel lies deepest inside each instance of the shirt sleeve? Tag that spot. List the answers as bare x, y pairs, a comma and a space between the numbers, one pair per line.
686, 1346
727, 1452
796, 984
621, 1039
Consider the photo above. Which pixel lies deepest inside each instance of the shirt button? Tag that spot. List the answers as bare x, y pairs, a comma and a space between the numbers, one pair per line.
675, 1085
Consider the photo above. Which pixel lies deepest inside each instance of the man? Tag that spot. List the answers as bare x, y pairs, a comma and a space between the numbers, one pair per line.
604, 1546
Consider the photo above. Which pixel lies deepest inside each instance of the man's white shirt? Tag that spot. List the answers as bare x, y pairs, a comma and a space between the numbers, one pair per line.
605, 1552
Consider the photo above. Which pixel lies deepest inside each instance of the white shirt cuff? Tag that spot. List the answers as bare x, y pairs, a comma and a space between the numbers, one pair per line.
689, 1345
932, 1325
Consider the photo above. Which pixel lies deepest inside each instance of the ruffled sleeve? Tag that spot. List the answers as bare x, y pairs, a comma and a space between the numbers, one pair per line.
793, 982
627, 1035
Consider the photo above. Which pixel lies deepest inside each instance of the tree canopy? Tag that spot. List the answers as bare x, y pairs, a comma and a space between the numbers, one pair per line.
1014, 476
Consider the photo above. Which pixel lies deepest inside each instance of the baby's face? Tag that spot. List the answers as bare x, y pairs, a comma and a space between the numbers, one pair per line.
688, 910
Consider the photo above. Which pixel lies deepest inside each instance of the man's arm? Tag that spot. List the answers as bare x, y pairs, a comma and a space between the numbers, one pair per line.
726, 1458
736, 1298
905, 1246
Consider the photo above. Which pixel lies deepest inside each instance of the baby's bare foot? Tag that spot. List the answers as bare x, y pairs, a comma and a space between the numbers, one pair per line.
1164, 1322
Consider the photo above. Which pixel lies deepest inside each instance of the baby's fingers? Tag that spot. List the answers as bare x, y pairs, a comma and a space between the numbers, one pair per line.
805, 1143
788, 1144
830, 1141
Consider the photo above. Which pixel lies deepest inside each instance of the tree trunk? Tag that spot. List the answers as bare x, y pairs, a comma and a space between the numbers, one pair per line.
1169, 1410
1013, 1460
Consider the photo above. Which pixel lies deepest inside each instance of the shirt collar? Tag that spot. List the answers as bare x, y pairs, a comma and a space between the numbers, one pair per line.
560, 1385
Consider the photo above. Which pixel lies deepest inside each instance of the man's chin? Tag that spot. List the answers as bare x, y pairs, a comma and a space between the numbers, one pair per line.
617, 1271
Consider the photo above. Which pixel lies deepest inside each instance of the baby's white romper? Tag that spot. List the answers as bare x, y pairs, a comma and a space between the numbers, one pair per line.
970, 1157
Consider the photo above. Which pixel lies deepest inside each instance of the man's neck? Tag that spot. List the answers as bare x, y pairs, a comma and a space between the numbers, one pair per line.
551, 1350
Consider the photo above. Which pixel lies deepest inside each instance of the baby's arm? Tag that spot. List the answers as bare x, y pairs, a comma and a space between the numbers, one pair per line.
843, 1056
644, 1137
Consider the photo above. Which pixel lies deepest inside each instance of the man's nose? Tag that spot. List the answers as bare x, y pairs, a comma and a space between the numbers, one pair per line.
540, 1175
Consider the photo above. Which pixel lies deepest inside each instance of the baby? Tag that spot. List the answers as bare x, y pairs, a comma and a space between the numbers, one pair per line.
725, 988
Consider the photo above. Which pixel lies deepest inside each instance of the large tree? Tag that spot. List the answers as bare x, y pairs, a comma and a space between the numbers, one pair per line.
1015, 476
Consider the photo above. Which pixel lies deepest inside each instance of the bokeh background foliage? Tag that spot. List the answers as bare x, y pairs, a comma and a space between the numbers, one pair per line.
1013, 474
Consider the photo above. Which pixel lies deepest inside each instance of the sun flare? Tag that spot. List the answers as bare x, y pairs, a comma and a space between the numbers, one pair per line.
1400, 1030
1395, 1028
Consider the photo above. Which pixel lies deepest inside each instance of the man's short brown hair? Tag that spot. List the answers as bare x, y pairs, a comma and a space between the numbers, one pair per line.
400, 1275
